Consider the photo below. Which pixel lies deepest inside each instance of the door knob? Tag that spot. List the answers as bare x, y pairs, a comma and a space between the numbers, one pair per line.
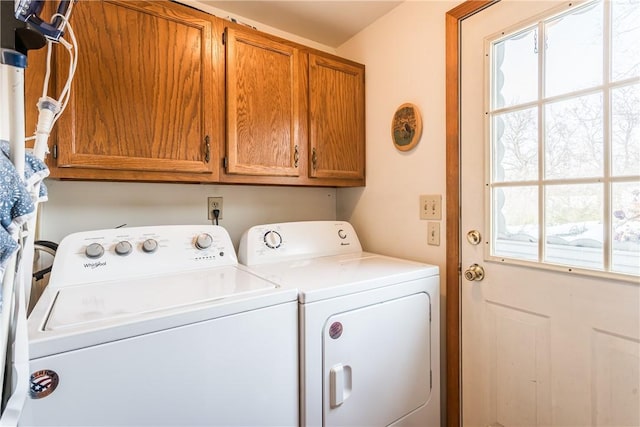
474, 237
474, 272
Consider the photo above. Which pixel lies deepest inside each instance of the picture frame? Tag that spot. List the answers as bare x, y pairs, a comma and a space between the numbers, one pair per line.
406, 127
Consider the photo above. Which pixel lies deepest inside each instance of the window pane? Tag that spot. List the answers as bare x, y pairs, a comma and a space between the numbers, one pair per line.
625, 130
515, 62
626, 227
573, 138
573, 225
515, 146
625, 35
515, 222
573, 52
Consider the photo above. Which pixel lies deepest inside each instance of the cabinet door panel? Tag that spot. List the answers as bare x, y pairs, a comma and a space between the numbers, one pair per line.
262, 105
337, 134
142, 96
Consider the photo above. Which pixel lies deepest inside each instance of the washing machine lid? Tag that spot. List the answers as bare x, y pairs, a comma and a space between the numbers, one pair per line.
333, 276
108, 303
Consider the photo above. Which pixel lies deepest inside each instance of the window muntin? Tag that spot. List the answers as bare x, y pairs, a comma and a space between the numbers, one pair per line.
564, 127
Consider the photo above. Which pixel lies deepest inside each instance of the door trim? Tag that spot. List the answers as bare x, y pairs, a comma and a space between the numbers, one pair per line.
453, 21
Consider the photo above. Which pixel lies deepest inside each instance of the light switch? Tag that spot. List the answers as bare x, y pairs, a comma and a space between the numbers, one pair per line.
433, 233
430, 206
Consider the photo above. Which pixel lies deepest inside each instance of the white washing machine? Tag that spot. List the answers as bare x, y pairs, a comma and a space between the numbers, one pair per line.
161, 326
369, 324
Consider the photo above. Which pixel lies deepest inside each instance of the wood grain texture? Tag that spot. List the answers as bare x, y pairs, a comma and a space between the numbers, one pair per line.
262, 105
336, 118
142, 95
453, 20
144, 99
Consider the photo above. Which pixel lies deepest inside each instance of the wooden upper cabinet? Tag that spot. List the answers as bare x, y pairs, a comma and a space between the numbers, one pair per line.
146, 94
155, 84
337, 122
263, 105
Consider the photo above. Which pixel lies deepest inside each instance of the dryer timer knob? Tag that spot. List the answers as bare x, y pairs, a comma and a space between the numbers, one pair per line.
272, 239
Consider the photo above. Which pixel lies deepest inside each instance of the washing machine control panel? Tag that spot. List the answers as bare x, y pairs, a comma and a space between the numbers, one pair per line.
113, 254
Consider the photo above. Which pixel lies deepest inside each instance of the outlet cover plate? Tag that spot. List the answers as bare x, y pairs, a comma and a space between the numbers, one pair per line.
214, 203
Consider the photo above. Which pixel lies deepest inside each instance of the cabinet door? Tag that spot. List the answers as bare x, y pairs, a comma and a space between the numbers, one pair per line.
263, 110
143, 96
337, 128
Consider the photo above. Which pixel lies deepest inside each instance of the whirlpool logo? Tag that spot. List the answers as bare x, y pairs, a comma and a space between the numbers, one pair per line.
94, 265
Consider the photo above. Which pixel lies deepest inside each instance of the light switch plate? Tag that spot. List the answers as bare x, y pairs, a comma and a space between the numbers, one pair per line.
433, 233
430, 206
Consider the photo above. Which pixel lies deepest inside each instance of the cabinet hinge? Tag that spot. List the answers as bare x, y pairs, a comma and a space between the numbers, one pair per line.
225, 162
54, 151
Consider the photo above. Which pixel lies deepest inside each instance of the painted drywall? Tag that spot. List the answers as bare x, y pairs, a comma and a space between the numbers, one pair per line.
220, 13
78, 206
404, 52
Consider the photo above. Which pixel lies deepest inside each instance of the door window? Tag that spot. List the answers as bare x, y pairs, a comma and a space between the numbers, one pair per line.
563, 114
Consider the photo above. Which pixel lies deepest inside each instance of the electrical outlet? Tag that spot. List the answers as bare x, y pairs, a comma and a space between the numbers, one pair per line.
430, 206
214, 203
433, 233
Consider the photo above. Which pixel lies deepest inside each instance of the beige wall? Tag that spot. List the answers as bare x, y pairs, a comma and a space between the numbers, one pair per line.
78, 206
404, 53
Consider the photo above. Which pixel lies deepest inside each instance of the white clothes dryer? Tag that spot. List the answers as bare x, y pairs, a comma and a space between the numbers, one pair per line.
369, 324
160, 326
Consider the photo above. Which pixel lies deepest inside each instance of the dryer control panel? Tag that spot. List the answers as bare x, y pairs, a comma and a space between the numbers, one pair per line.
115, 254
290, 241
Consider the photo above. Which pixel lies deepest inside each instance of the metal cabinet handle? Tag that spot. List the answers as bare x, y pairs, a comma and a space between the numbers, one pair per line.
296, 157
314, 159
207, 149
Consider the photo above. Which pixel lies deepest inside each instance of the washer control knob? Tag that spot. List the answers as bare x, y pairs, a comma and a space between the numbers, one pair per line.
272, 239
123, 248
149, 246
203, 241
94, 250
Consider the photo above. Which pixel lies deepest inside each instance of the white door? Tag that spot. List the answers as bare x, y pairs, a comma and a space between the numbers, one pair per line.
550, 335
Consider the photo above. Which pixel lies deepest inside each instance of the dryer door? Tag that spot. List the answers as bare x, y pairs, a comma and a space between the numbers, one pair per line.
377, 362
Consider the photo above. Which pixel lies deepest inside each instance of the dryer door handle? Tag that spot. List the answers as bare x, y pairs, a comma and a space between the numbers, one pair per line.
340, 388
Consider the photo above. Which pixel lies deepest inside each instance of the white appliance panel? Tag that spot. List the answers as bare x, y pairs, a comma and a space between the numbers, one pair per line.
367, 379
331, 276
160, 326
313, 318
239, 370
102, 303
377, 357
268, 243
92, 256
